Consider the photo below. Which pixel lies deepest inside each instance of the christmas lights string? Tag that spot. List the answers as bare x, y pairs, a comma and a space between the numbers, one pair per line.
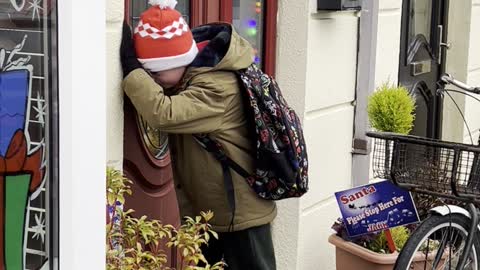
253, 27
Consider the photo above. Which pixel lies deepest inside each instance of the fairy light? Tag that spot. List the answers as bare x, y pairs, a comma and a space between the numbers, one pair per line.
252, 32
253, 28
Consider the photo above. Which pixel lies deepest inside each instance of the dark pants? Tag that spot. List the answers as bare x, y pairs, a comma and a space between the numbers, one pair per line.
251, 249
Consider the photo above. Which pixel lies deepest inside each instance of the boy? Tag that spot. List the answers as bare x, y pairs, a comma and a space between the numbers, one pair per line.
183, 82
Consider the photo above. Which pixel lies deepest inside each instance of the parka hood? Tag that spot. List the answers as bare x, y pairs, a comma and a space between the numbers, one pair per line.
226, 50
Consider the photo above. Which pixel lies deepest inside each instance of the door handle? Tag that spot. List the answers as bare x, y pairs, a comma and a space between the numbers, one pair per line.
447, 45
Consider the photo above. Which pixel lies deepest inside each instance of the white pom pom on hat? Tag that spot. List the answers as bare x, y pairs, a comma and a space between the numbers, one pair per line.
163, 4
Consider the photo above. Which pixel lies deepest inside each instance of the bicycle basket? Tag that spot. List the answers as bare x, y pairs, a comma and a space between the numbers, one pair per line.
430, 166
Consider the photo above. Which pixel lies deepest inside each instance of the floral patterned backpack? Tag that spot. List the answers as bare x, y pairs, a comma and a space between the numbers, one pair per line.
281, 157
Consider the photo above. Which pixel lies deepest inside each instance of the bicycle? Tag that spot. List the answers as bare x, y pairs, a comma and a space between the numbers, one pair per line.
449, 237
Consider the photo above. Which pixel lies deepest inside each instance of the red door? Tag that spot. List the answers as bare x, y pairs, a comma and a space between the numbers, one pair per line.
146, 158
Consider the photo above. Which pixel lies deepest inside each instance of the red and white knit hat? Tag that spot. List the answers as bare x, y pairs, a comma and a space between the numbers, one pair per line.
163, 39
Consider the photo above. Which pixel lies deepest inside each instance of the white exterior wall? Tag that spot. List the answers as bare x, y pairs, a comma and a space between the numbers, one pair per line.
388, 41
328, 127
456, 65
472, 107
114, 22
291, 68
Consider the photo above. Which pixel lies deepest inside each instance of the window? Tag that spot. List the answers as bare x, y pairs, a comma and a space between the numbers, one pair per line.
421, 16
256, 21
248, 19
28, 124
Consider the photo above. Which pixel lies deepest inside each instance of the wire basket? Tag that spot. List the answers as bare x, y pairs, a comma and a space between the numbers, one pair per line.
440, 168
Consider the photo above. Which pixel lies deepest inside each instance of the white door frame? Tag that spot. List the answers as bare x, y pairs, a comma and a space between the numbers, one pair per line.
82, 134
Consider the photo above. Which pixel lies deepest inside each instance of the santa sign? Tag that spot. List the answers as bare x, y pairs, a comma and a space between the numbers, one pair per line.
376, 207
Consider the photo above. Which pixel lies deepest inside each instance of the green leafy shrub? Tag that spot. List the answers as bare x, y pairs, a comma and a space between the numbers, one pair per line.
140, 243
400, 236
391, 109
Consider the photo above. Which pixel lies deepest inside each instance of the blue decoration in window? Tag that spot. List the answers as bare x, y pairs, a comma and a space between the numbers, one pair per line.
14, 87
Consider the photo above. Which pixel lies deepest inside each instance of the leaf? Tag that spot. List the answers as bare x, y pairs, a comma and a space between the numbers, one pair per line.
207, 216
129, 211
121, 199
215, 234
111, 198
207, 237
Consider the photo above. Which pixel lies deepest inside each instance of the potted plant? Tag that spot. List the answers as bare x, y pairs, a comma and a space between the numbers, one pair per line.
370, 252
367, 252
140, 243
390, 109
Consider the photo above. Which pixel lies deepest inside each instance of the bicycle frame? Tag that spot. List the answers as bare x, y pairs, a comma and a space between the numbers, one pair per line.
473, 212
448, 79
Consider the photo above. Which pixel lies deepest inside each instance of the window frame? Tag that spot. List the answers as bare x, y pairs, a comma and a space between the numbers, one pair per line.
270, 38
46, 84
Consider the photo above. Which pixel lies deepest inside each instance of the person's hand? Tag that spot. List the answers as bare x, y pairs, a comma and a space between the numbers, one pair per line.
128, 56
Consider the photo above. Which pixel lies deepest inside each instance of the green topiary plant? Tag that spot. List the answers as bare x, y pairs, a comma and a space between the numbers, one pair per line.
391, 109
140, 243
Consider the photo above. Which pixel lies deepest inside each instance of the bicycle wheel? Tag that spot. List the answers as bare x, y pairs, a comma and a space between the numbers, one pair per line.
438, 244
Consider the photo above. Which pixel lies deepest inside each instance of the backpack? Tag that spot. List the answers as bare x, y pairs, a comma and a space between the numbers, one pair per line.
281, 164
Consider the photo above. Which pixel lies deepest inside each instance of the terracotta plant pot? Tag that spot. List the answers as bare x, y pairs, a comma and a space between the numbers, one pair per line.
351, 256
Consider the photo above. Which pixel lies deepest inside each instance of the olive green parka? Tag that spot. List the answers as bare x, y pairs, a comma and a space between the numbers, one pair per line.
207, 100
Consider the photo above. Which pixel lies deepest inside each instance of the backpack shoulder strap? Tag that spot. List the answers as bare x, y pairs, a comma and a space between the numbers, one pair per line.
216, 149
